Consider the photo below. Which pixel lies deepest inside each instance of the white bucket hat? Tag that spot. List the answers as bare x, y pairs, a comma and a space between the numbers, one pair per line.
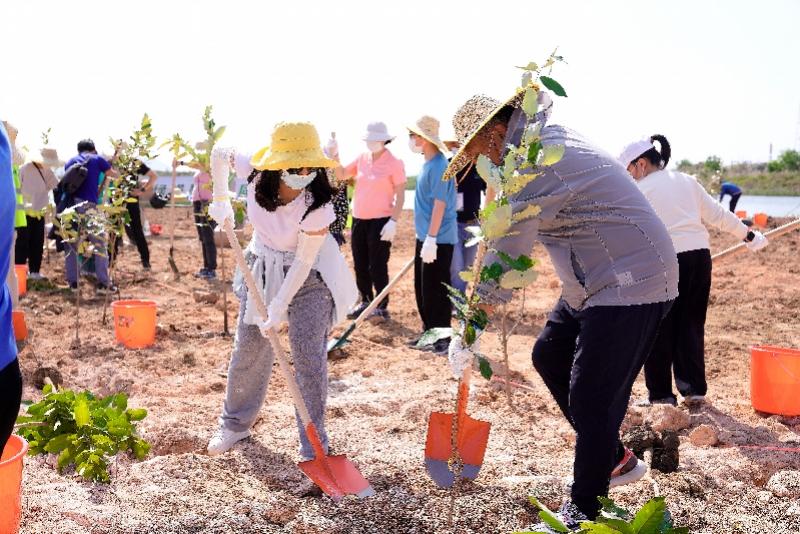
633, 151
377, 131
427, 127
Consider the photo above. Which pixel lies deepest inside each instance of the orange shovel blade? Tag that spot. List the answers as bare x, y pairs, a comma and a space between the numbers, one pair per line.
337, 477
473, 435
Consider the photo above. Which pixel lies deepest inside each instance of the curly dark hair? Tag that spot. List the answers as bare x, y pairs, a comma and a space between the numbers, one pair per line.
318, 193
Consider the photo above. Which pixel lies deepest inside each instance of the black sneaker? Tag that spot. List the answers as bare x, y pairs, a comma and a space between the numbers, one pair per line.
211, 275
358, 311
73, 286
378, 315
568, 514
105, 290
440, 346
202, 273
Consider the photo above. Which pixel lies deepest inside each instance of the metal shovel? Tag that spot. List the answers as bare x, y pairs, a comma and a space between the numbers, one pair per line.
171, 259
335, 475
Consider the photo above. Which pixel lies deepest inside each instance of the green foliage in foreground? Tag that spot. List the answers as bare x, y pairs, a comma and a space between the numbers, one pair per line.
83, 430
652, 518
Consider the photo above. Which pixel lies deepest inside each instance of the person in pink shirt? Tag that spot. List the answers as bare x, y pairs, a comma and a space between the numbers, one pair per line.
380, 182
201, 197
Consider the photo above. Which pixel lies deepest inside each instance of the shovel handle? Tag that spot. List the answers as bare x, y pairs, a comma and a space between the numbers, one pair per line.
283, 362
172, 210
385, 291
775, 232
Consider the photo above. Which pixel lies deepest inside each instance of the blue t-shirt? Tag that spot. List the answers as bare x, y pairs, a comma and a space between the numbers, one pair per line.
431, 187
8, 203
91, 185
728, 188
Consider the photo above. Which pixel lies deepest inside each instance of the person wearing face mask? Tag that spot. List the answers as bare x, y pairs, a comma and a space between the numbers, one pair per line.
684, 207
619, 276
435, 227
380, 181
302, 277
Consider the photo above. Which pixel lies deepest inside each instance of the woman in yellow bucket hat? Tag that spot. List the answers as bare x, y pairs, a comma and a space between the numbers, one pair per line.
302, 275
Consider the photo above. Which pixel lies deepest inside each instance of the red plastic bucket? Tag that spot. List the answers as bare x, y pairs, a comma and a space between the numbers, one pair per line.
22, 278
135, 322
11, 463
775, 380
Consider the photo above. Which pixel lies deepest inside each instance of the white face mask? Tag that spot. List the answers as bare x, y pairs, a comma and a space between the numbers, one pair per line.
412, 144
374, 146
298, 181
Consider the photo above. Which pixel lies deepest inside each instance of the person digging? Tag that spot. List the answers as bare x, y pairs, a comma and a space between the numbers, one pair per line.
619, 276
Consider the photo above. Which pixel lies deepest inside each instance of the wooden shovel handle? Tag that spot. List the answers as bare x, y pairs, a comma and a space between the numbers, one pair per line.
172, 210
385, 291
775, 232
252, 289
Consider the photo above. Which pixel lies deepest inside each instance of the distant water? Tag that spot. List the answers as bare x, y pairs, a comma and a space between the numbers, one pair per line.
774, 206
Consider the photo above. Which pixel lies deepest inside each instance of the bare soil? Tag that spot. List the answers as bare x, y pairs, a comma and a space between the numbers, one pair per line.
380, 396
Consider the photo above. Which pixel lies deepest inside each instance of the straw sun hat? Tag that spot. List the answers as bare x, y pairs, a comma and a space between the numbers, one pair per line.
293, 145
428, 128
47, 157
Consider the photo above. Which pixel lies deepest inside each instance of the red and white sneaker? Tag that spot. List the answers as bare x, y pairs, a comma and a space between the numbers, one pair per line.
629, 469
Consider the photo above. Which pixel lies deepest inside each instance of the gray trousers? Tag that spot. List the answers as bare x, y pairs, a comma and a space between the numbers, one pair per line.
310, 315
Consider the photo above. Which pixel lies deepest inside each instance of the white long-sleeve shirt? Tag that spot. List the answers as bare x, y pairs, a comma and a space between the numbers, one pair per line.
683, 206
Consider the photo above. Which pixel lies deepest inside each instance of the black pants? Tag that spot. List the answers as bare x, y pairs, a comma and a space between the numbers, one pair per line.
10, 397
370, 258
680, 343
429, 278
205, 231
589, 360
30, 244
734, 200
135, 233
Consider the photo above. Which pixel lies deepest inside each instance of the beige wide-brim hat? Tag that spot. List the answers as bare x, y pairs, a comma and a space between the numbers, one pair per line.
294, 145
427, 127
12, 132
47, 157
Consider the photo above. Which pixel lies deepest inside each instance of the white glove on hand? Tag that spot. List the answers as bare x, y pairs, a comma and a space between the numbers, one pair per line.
428, 252
332, 148
219, 210
459, 357
758, 242
389, 230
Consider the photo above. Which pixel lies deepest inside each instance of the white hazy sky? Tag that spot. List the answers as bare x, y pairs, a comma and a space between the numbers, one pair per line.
716, 77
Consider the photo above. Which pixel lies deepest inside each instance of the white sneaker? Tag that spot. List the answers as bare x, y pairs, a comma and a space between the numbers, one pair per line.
35, 276
223, 439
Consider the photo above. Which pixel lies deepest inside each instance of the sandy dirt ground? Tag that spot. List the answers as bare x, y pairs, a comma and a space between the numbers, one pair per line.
380, 398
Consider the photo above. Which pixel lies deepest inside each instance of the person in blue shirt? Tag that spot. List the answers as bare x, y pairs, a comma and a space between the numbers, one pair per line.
436, 229
729, 188
86, 199
10, 377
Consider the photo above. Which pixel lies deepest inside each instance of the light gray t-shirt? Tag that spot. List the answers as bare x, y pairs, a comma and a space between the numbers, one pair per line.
608, 246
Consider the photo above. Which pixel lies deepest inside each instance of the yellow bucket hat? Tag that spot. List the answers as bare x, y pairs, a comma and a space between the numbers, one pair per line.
294, 145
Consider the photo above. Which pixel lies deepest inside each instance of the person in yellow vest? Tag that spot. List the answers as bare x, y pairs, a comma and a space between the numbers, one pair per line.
17, 159
37, 179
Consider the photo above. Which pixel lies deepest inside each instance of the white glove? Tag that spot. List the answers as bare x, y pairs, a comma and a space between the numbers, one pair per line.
332, 148
428, 252
758, 242
389, 230
219, 210
271, 323
459, 357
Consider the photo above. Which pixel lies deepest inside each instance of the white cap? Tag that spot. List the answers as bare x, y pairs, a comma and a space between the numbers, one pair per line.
634, 150
377, 131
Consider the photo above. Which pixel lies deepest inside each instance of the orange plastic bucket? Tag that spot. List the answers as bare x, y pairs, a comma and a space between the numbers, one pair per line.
135, 322
775, 380
741, 214
22, 278
11, 483
760, 219
20, 328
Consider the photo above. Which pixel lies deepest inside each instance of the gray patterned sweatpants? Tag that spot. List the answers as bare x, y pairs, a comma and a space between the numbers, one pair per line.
310, 315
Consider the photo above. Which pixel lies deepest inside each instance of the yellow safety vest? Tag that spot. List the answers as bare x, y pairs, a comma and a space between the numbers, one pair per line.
19, 214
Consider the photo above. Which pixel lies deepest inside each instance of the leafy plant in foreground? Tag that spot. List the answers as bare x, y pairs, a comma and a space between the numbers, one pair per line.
652, 518
83, 430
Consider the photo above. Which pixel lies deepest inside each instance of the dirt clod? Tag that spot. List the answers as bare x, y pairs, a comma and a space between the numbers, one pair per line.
704, 436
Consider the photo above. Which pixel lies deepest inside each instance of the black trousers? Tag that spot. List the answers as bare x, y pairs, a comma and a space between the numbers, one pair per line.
135, 233
30, 244
429, 278
205, 231
589, 360
10, 397
734, 200
680, 343
370, 258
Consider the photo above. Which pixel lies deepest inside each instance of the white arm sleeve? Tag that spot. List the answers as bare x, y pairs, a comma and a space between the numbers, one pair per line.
308, 247
220, 172
716, 215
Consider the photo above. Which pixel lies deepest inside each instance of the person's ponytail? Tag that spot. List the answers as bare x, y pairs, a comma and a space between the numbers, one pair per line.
665, 151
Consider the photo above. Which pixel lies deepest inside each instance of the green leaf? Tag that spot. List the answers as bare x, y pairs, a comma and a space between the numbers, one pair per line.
64, 459
611, 509
553, 85
514, 279
533, 152
520, 263
469, 334
433, 335
547, 516
530, 104
498, 223
551, 154
136, 414
619, 524
466, 276
530, 67
484, 167
59, 443
590, 527
491, 272
81, 412
648, 519
485, 367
